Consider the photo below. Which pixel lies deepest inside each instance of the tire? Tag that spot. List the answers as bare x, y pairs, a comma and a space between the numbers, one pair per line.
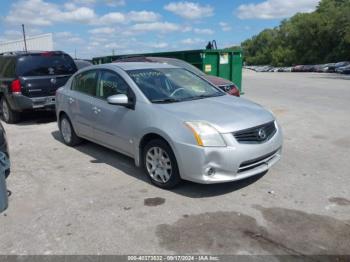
159, 157
68, 134
7, 114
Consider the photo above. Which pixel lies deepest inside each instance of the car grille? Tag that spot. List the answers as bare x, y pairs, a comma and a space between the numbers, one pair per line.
258, 134
254, 163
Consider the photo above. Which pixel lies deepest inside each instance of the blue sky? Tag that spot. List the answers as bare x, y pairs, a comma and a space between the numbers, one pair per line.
96, 27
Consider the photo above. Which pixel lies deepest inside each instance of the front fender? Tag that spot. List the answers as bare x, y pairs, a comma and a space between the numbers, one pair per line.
156, 131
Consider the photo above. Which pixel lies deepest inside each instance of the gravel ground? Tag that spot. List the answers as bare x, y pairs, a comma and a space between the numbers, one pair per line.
91, 200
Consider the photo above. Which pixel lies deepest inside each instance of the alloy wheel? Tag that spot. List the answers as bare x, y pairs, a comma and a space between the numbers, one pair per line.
158, 164
66, 130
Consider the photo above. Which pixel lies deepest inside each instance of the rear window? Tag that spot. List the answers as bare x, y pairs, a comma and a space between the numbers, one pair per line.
43, 64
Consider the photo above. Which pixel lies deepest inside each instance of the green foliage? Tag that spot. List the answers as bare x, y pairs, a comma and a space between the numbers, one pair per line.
306, 38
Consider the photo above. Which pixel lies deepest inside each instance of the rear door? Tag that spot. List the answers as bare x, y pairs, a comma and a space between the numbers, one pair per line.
41, 74
80, 108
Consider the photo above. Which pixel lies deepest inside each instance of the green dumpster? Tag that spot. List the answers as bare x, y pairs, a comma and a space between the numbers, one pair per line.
223, 63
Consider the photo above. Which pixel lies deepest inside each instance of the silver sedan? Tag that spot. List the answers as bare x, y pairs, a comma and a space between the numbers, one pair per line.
176, 125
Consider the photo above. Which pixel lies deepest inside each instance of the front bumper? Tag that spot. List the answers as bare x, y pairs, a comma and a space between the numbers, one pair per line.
21, 102
234, 162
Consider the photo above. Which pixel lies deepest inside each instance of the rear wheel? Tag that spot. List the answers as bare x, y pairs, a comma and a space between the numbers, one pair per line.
7, 114
160, 164
68, 134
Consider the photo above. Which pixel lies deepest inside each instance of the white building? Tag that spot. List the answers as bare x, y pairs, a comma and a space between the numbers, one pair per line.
42, 42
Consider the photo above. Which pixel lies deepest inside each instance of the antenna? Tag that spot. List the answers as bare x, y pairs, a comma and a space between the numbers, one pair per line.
24, 38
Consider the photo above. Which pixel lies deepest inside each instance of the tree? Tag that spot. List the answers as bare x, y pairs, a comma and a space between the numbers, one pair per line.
306, 38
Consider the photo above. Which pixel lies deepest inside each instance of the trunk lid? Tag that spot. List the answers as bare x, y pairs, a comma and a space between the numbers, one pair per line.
38, 86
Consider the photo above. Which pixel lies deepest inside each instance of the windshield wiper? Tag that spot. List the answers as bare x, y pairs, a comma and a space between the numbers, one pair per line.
165, 100
201, 97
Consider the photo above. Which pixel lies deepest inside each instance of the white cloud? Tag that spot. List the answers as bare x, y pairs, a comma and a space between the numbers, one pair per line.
162, 27
274, 9
102, 30
113, 46
204, 31
133, 16
81, 14
11, 34
75, 40
225, 26
192, 41
112, 18
159, 45
70, 6
186, 29
190, 10
85, 2
67, 41
64, 34
95, 43
97, 39
143, 16
113, 3
41, 13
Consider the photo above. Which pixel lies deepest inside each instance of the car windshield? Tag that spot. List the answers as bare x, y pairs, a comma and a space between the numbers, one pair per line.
167, 85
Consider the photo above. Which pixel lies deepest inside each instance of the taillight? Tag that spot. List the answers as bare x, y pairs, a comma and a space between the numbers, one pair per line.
16, 86
47, 53
234, 91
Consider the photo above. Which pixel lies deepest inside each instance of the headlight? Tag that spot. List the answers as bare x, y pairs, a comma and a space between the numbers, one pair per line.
205, 134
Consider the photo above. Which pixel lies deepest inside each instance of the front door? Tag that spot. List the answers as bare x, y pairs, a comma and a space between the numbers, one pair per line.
113, 125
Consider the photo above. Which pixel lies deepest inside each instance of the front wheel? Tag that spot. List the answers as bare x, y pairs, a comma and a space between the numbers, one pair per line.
160, 164
68, 134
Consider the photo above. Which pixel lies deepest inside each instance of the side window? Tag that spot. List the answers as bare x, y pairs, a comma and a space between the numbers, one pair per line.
111, 83
2, 61
86, 83
7, 67
10, 68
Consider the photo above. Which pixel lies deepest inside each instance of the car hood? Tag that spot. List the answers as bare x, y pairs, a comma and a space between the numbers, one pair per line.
226, 113
217, 81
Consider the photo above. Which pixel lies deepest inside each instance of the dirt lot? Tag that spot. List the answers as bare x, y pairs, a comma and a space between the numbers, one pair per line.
90, 200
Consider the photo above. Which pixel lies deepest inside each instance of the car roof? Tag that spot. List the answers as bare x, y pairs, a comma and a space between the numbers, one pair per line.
139, 65
28, 53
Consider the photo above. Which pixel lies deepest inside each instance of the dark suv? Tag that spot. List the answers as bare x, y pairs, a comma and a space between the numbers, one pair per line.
29, 80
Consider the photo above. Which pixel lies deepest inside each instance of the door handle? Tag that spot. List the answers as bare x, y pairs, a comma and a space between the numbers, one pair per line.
71, 100
96, 110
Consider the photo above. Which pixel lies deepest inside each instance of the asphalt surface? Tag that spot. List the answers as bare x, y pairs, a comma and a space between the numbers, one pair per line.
91, 200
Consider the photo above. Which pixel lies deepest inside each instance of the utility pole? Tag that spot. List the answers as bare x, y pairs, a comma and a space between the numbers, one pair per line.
24, 38
75, 53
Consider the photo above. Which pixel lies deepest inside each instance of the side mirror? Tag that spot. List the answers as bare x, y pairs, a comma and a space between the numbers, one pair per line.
121, 100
